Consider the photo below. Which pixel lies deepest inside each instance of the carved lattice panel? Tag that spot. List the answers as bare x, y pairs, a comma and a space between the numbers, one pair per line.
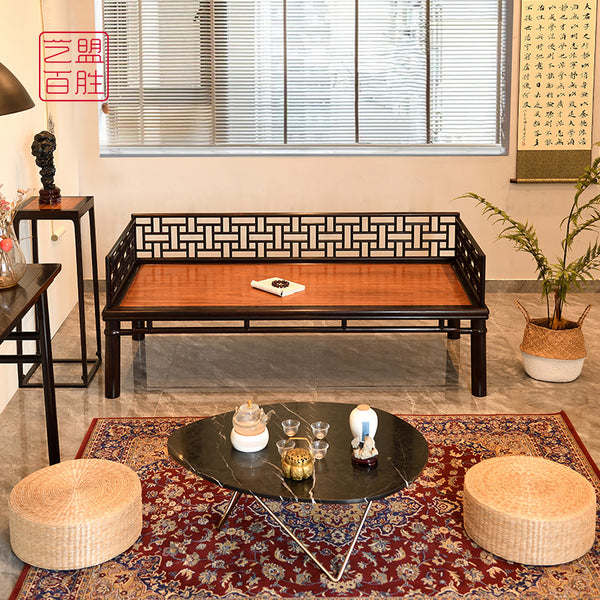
289, 237
119, 262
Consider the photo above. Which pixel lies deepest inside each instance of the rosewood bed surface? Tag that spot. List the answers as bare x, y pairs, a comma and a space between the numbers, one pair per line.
327, 284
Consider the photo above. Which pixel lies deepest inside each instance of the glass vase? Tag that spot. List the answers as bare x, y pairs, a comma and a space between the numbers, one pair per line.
12, 259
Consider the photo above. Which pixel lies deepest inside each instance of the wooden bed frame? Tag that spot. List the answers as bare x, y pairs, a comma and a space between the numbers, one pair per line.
423, 271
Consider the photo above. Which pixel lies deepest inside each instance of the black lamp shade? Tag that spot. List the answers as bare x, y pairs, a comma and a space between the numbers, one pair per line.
13, 96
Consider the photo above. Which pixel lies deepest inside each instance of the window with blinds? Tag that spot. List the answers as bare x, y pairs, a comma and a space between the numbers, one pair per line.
306, 76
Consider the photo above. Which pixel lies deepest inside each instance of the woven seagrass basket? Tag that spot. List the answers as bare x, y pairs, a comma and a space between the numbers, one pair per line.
553, 354
529, 509
75, 514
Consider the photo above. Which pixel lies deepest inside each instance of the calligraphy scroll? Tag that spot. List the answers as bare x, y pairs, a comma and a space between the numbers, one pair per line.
555, 89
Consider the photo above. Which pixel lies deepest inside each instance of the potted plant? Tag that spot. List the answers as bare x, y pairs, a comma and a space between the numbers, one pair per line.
553, 347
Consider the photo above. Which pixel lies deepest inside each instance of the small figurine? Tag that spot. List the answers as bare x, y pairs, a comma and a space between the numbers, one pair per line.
365, 452
43, 147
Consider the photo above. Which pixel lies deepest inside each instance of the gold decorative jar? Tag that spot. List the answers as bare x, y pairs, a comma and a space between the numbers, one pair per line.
297, 464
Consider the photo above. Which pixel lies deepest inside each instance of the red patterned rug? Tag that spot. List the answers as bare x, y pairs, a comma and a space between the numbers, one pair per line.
413, 545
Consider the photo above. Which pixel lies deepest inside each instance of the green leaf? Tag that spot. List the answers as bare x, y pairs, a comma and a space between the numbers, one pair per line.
560, 278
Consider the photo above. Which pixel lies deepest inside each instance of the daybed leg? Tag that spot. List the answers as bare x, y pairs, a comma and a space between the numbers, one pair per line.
140, 372
112, 363
478, 358
455, 324
138, 330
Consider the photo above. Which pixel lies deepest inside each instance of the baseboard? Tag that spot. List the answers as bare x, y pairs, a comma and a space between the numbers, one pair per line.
526, 286
513, 286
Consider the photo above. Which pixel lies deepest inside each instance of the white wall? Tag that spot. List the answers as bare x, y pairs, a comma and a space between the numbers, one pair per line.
20, 26
125, 185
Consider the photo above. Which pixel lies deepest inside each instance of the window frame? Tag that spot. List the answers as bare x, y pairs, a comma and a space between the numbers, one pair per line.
501, 148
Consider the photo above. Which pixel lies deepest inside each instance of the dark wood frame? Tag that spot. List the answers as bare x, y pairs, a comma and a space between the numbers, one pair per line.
68, 208
15, 303
273, 238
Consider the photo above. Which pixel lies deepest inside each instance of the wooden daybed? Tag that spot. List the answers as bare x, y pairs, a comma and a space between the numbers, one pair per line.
402, 272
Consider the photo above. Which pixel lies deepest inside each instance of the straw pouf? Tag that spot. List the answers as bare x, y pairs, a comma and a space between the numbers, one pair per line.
529, 510
75, 514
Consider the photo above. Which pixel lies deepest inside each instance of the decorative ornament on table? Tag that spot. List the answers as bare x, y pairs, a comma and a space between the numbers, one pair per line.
297, 464
43, 147
12, 259
363, 424
364, 453
363, 421
278, 286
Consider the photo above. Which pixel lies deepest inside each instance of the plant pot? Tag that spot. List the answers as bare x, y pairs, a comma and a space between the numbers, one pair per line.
555, 355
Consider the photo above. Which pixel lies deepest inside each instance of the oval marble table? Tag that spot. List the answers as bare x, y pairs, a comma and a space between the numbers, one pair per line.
204, 448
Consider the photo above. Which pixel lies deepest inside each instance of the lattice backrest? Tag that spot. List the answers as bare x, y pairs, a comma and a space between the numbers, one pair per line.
296, 236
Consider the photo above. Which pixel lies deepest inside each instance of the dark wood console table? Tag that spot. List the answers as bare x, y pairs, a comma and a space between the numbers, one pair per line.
71, 208
15, 303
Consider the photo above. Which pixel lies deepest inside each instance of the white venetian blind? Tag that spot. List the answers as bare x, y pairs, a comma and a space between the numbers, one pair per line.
393, 72
466, 71
289, 75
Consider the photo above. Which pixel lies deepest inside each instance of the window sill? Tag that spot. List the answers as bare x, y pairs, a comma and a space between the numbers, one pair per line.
288, 150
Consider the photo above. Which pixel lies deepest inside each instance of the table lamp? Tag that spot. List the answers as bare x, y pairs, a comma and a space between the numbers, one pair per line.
13, 96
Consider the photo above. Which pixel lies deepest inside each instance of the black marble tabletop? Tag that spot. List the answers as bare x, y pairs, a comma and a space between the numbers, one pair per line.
204, 447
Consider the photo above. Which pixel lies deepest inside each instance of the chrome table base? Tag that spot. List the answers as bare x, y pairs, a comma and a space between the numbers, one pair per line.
332, 576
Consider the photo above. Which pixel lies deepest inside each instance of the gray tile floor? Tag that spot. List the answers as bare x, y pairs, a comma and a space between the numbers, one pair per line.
203, 375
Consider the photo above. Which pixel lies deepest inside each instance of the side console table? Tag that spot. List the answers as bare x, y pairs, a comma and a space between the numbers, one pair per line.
15, 302
71, 208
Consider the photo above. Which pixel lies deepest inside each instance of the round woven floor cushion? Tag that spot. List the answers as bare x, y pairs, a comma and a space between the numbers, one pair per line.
75, 514
529, 510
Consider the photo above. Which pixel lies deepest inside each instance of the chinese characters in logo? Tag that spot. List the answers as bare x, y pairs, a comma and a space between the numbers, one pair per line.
73, 66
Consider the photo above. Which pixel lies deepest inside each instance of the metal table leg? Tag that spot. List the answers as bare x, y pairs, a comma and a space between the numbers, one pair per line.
230, 507
329, 574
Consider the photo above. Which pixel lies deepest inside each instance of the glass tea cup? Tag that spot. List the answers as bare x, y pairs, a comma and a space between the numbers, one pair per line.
320, 429
290, 427
318, 449
284, 445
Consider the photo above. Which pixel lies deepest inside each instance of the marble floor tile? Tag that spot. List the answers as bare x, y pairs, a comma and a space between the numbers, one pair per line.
206, 374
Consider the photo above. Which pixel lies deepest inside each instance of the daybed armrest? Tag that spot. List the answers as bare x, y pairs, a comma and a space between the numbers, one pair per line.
120, 261
471, 262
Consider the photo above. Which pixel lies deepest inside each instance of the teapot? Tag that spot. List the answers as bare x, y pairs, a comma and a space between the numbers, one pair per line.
250, 419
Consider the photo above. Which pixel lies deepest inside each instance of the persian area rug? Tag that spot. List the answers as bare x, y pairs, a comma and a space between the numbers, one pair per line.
413, 545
